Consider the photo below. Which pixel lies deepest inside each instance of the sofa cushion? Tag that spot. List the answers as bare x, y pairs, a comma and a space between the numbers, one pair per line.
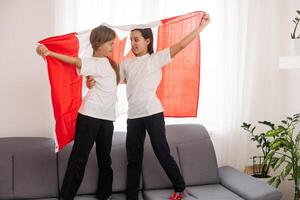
46, 199
212, 192
6, 175
85, 197
176, 133
247, 186
119, 138
90, 179
154, 177
119, 166
115, 196
35, 174
164, 194
21, 144
198, 162
28, 168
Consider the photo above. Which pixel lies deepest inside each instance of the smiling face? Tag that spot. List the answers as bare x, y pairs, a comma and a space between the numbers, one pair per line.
139, 45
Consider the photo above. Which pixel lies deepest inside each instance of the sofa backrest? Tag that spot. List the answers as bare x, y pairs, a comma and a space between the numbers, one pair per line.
192, 148
89, 182
30, 168
27, 168
153, 174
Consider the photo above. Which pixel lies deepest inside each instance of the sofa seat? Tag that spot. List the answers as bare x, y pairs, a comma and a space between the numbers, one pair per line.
42, 199
115, 196
205, 192
212, 192
164, 194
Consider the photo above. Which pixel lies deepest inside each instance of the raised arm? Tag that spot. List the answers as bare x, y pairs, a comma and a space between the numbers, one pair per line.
190, 37
44, 51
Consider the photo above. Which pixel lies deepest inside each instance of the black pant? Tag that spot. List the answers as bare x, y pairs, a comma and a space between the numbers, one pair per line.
136, 131
87, 131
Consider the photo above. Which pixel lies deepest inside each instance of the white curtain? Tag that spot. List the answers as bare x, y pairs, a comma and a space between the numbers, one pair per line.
240, 48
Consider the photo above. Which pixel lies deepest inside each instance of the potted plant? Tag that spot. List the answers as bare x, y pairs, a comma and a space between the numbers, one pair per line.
295, 38
264, 144
285, 152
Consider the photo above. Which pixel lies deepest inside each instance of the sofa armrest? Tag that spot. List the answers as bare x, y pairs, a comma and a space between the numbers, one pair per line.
247, 186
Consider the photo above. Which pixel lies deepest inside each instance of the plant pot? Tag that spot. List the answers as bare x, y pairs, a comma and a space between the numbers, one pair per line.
262, 178
295, 46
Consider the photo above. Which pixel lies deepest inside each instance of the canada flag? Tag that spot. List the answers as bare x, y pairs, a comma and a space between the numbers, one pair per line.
178, 90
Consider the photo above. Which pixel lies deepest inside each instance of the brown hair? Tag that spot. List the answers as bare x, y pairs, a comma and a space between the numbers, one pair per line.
99, 36
147, 34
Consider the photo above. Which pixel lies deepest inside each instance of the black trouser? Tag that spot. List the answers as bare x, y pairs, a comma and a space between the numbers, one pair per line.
136, 131
87, 131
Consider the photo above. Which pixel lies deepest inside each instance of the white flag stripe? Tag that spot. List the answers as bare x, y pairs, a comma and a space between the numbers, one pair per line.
135, 26
85, 49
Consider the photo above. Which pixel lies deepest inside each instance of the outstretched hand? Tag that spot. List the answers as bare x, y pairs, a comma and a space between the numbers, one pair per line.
42, 50
205, 20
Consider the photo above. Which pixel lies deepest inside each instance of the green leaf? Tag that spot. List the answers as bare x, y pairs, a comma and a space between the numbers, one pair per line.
271, 125
287, 169
296, 115
270, 182
298, 154
282, 127
282, 175
276, 182
246, 126
270, 155
298, 137
274, 161
276, 145
279, 162
290, 132
275, 132
271, 133
298, 172
282, 139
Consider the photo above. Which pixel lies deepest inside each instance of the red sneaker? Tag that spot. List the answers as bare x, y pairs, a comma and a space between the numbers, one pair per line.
177, 196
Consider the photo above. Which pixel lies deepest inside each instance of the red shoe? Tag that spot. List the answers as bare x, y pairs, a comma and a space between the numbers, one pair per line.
177, 196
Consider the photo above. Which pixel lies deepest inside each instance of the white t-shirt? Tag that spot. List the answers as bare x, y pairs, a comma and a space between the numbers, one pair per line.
143, 75
100, 101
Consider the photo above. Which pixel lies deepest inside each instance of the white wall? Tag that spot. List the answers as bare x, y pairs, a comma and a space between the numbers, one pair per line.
25, 99
291, 78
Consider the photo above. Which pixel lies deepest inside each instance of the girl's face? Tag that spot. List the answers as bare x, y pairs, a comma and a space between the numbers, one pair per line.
106, 48
139, 45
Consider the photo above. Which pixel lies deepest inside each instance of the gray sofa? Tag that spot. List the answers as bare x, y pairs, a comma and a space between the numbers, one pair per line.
30, 169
